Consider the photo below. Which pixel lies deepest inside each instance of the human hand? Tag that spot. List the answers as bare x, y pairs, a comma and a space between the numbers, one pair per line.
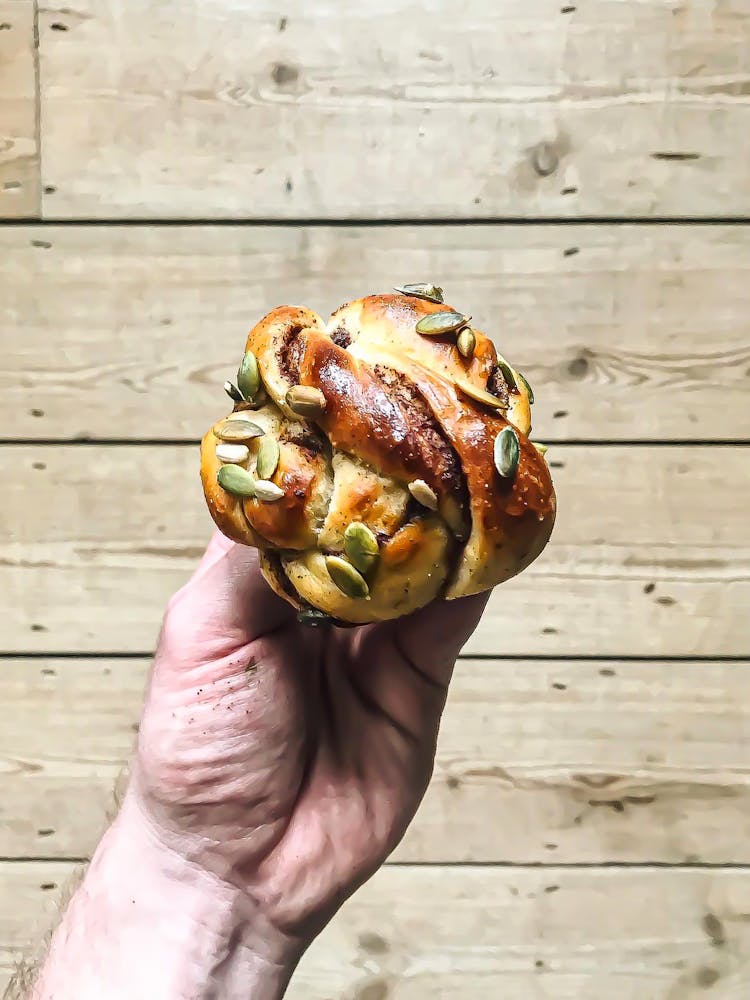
289, 760
277, 767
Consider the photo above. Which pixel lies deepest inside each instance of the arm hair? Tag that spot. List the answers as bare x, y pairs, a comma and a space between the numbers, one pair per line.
22, 981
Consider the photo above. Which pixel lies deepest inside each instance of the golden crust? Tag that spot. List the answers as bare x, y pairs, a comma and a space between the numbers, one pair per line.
383, 328
411, 573
294, 521
396, 410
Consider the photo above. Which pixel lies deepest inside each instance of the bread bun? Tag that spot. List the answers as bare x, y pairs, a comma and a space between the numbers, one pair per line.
376, 465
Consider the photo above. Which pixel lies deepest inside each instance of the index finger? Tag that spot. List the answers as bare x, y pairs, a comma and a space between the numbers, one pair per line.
226, 603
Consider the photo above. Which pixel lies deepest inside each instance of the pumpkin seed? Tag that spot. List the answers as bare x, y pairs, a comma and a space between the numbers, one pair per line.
237, 429
541, 448
480, 395
268, 492
424, 494
422, 290
361, 546
437, 323
529, 391
466, 342
349, 580
306, 400
314, 618
248, 376
268, 457
233, 454
236, 480
233, 392
506, 452
508, 373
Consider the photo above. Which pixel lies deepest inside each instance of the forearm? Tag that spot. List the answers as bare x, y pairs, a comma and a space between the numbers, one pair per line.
147, 923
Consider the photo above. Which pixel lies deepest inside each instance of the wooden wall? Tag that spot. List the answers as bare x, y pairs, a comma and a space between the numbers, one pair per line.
578, 173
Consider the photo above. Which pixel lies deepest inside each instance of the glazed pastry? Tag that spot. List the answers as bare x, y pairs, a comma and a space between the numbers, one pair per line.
378, 461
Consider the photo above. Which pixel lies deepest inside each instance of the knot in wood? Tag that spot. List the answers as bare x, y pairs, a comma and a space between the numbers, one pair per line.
284, 75
545, 159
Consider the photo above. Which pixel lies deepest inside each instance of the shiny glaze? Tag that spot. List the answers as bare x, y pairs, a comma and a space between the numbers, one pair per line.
388, 324
395, 318
286, 522
275, 327
511, 519
404, 544
225, 509
272, 341
363, 418
512, 514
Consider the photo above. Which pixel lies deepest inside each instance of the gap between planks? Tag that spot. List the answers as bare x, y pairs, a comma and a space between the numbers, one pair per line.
381, 222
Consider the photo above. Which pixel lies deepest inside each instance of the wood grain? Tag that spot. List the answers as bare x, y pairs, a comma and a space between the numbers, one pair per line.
625, 332
463, 933
528, 109
332, 110
19, 154
29, 892
537, 762
649, 555
68, 727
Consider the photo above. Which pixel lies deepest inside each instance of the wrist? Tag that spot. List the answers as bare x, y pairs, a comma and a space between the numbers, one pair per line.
147, 921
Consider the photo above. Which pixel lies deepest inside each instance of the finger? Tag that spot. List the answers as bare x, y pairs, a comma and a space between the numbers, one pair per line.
402, 669
431, 638
227, 603
218, 546
223, 646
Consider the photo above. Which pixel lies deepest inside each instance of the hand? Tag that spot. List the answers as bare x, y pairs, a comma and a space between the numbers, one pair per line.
277, 767
289, 760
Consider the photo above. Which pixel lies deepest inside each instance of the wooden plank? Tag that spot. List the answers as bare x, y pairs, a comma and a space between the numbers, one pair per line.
649, 556
19, 154
28, 903
68, 728
559, 761
565, 934
463, 933
521, 108
590, 762
626, 332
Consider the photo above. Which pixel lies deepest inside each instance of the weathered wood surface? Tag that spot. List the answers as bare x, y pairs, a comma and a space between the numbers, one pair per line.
528, 109
626, 332
463, 933
67, 733
537, 762
28, 903
19, 156
649, 555
338, 110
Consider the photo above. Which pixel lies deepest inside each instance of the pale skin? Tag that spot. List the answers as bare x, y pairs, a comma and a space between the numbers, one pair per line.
277, 767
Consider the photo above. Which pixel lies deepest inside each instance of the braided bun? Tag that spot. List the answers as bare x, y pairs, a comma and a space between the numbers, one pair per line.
379, 461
